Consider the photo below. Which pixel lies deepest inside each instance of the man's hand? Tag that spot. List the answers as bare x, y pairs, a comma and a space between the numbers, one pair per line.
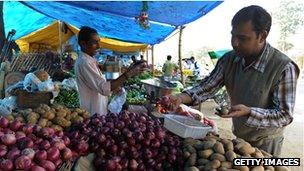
136, 69
175, 101
237, 111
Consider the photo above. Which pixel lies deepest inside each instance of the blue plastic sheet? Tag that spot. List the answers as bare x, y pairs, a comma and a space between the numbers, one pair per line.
112, 19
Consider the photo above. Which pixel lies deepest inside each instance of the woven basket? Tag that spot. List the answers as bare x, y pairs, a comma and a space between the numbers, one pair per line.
32, 99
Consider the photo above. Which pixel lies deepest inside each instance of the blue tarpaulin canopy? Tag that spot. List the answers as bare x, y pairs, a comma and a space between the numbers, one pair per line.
112, 19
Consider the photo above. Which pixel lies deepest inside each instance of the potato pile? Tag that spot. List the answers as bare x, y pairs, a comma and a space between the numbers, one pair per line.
57, 117
214, 153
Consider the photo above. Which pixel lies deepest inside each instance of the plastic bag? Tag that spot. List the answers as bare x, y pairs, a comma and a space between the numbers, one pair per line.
69, 84
30, 82
47, 85
117, 102
7, 105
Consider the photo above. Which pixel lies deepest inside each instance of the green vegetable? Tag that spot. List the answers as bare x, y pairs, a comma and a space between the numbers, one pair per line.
68, 98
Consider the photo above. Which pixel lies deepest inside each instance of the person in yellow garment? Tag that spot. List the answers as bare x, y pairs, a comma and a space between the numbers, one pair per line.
260, 81
169, 67
93, 88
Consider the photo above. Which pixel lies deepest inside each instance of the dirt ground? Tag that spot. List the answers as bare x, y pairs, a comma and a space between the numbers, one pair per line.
293, 142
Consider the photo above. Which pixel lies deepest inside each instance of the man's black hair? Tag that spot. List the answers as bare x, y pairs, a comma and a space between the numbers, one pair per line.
169, 57
260, 18
85, 33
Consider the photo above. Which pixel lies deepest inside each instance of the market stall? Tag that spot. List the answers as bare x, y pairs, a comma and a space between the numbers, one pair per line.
62, 136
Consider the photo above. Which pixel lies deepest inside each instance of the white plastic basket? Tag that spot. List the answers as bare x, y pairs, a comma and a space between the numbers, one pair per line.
186, 127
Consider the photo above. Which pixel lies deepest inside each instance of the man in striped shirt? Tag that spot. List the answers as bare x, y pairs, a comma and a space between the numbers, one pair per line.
260, 80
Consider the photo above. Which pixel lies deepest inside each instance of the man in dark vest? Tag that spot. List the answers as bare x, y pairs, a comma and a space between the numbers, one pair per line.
260, 80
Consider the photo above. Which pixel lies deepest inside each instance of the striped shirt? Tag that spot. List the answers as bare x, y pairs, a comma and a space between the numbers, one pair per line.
284, 93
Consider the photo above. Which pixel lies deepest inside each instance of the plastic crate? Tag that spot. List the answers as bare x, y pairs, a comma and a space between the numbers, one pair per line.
186, 127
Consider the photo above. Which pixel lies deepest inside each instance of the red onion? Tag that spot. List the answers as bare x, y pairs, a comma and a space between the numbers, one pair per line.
8, 131
3, 150
53, 154
48, 165
82, 147
13, 153
27, 129
37, 168
47, 132
141, 167
133, 164
155, 143
119, 125
19, 135
147, 154
131, 141
36, 129
74, 135
6, 165
23, 162
8, 139
66, 154
45, 145
150, 135
4, 122
60, 133
60, 145
29, 153
25, 142
111, 165
58, 162
66, 140
15, 125
124, 163
40, 155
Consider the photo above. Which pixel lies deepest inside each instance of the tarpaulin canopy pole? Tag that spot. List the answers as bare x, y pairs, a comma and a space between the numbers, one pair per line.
180, 53
60, 36
147, 54
152, 51
2, 33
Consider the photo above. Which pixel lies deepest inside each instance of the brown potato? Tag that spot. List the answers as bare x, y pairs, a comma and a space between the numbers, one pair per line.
257, 154
189, 148
214, 164
270, 168
257, 168
218, 156
227, 165
189, 141
202, 162
281, 168
20, 118
246, 150
241, 168
10, 117
42, 122
208, 144
186, 154
219, 148
205, 153
230, 155
193, 168
191, 160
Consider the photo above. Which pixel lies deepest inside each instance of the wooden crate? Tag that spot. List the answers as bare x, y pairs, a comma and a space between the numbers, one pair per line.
32, 99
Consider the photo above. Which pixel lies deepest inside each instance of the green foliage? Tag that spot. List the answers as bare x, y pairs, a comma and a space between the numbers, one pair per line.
290, 17
68, 98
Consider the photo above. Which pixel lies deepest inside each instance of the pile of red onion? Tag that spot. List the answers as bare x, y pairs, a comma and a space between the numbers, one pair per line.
27, 147
127, 141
